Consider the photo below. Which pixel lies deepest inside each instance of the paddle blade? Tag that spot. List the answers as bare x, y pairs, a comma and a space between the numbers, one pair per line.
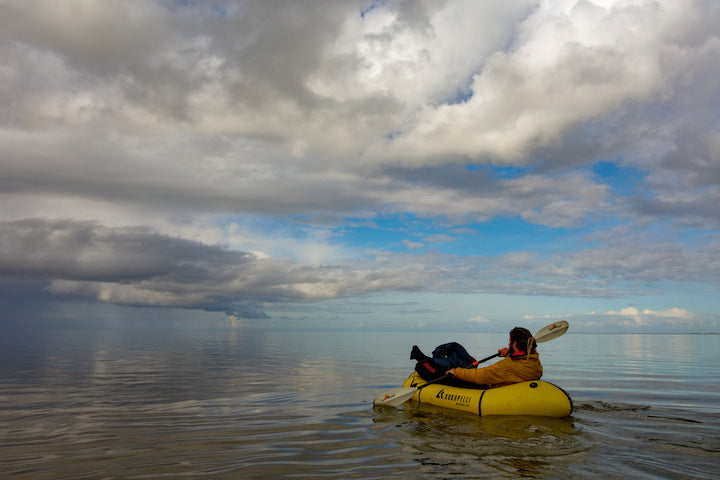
551, 331
395, 397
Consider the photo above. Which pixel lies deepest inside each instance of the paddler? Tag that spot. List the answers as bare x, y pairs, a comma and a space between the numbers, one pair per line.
520, 363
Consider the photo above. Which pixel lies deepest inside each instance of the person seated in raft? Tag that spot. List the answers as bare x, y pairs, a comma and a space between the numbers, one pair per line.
521, 363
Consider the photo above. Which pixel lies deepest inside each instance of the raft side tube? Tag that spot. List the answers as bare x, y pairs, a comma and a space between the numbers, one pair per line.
534, 398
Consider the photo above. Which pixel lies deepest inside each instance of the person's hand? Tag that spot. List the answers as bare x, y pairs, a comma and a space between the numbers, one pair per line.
450, 372
503, 351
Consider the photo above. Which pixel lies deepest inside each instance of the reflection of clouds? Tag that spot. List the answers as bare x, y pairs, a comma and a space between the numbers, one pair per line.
135, 385
659, 370
244, 402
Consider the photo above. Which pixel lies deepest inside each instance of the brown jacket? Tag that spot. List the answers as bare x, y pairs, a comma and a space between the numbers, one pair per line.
504, 372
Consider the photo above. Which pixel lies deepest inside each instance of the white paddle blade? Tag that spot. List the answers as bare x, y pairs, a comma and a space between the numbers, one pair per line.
551, 331
396, 397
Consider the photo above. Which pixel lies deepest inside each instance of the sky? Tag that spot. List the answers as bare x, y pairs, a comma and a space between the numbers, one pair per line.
393, 165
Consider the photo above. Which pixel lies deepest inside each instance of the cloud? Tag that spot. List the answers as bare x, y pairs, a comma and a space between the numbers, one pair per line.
198, 110
136, 266
642, 316
413, 245
640, 320
648, 320
570, 63
218, 156
56, 260
140, 266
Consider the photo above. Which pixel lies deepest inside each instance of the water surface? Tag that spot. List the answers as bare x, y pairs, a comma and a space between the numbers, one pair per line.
268, 404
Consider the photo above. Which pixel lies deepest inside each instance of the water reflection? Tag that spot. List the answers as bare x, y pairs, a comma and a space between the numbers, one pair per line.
443, 422
259, 404
514, 445
652, 370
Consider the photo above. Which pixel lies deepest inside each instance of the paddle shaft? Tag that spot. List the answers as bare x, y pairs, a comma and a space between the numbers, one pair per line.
478, 362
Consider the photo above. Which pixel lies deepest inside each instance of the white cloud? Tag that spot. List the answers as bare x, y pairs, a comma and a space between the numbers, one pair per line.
413, 245
632, 318
570, 63
645, 315
257, 131
203, 103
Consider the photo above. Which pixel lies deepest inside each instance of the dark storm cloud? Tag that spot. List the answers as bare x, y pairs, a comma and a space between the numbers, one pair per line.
69, 250
136, 266
123, 265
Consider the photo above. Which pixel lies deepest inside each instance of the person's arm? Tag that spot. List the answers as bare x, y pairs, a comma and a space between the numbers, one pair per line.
507, 370
490, 375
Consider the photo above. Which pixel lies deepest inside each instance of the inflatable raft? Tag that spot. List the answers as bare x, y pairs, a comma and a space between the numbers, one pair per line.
535, 398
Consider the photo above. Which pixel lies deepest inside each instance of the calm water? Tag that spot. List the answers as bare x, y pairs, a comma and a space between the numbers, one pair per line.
244, 405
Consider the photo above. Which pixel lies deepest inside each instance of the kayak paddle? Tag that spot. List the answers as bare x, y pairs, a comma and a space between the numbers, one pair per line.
552, 331
402, 395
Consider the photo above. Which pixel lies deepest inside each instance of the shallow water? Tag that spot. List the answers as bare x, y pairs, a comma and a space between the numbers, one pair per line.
266, 404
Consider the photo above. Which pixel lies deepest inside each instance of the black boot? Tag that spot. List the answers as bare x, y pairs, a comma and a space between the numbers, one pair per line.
416, 354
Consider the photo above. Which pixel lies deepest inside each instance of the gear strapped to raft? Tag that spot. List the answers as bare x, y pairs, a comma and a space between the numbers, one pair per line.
446, 356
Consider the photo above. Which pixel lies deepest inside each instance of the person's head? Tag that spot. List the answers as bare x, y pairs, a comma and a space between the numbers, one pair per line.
522, 340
